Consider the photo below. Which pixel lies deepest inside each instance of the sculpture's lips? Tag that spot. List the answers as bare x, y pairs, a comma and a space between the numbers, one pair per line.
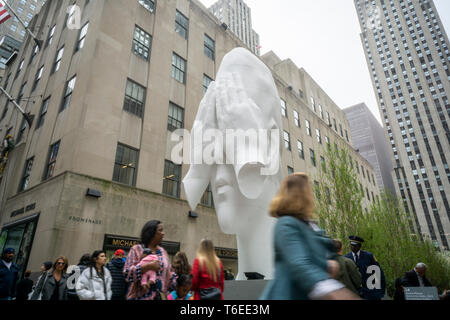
221, 189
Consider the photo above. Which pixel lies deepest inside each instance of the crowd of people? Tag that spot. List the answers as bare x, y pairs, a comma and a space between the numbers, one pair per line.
145, 274
308, 265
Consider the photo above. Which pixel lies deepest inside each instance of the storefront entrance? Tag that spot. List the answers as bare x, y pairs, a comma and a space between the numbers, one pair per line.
19, 235
113, 242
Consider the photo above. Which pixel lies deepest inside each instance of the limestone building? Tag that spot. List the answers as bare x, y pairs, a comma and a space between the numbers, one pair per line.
96, 163
407, 54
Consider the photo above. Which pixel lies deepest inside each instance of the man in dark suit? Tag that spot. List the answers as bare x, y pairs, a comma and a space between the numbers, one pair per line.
8, 274
367, 267
416, 277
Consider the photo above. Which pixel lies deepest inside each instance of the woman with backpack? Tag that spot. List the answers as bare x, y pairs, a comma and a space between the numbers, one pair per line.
207, 273
95, 281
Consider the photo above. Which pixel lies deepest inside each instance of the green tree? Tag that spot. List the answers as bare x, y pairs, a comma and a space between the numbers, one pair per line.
385, 226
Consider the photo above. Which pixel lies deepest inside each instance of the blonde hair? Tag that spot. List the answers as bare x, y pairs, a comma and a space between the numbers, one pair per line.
295, 198
207, 258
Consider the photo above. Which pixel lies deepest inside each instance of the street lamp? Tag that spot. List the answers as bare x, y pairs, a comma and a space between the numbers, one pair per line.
28, 117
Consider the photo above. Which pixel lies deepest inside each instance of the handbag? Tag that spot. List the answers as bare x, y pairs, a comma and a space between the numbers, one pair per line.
210, 294
39, 297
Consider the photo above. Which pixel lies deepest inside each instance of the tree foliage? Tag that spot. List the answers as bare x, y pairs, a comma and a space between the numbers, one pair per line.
385, 226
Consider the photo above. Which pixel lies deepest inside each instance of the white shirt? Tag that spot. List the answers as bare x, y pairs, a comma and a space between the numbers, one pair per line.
354, 255
7, 264
420, 279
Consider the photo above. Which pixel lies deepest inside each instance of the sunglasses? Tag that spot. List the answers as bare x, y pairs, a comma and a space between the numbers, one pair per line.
63, 263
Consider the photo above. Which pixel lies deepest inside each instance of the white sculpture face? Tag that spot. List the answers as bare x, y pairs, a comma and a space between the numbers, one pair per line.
243, 97
236, 212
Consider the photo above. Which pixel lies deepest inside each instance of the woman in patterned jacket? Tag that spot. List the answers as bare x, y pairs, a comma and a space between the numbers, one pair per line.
152, 235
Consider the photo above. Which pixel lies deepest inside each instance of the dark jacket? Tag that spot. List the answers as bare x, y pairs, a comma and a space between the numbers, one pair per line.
8, 279
119, 285
366, 259
72, 280
301, 255
47, 285
24, 288
410, 279
349, 274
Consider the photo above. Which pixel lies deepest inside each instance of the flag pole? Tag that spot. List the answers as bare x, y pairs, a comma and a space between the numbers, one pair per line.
38, 42
28, 117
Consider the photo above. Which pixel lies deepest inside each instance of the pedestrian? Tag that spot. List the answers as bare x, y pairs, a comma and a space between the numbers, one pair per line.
365, 260
182, 292
95, 281
399, 293
181, 264
152, 235
24, 287
53, 283
115, 267
302, 271
75, 274
207, 273
8, 274
44, 268
348, 272
416, 277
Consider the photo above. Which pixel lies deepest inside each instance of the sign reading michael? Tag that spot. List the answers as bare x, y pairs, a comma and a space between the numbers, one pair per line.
235, 146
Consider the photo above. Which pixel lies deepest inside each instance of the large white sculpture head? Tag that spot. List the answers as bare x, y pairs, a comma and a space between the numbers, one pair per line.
243, 99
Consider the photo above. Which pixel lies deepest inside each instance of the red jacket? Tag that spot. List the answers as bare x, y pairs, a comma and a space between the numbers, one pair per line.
202, 280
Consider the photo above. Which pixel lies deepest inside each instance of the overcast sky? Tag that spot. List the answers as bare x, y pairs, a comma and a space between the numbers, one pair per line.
322, 36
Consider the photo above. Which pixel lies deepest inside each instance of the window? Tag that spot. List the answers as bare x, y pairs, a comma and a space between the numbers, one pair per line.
21, 92
322, 162
290, 170
283, 108
43, 113
308, 128
178, 68
296, 118
301, 153
320, 111
206, 82
141, 43
312, 157
340, 127
26, 175
210, 47
82, 37
313, 104
134, 98
58, 59
17, 73
33, 54
181, 25
37, 78
70, 85
346, 135
148, 4
125, 165
172, 178
328, 119
335, 126
23, 127
287, 140
50, 36
207, 198
176, 117
319, 138
51, 162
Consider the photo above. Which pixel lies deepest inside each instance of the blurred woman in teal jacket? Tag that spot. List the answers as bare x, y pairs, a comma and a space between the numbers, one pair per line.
303, 265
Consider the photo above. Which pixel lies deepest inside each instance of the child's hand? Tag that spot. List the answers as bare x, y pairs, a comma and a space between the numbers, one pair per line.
146, 286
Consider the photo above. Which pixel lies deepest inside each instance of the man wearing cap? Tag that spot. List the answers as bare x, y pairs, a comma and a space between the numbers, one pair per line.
8, 274
370, 290
119, 285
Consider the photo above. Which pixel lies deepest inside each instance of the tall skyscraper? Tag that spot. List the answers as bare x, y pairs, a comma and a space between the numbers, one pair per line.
238, 16
407, 53
368, 138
